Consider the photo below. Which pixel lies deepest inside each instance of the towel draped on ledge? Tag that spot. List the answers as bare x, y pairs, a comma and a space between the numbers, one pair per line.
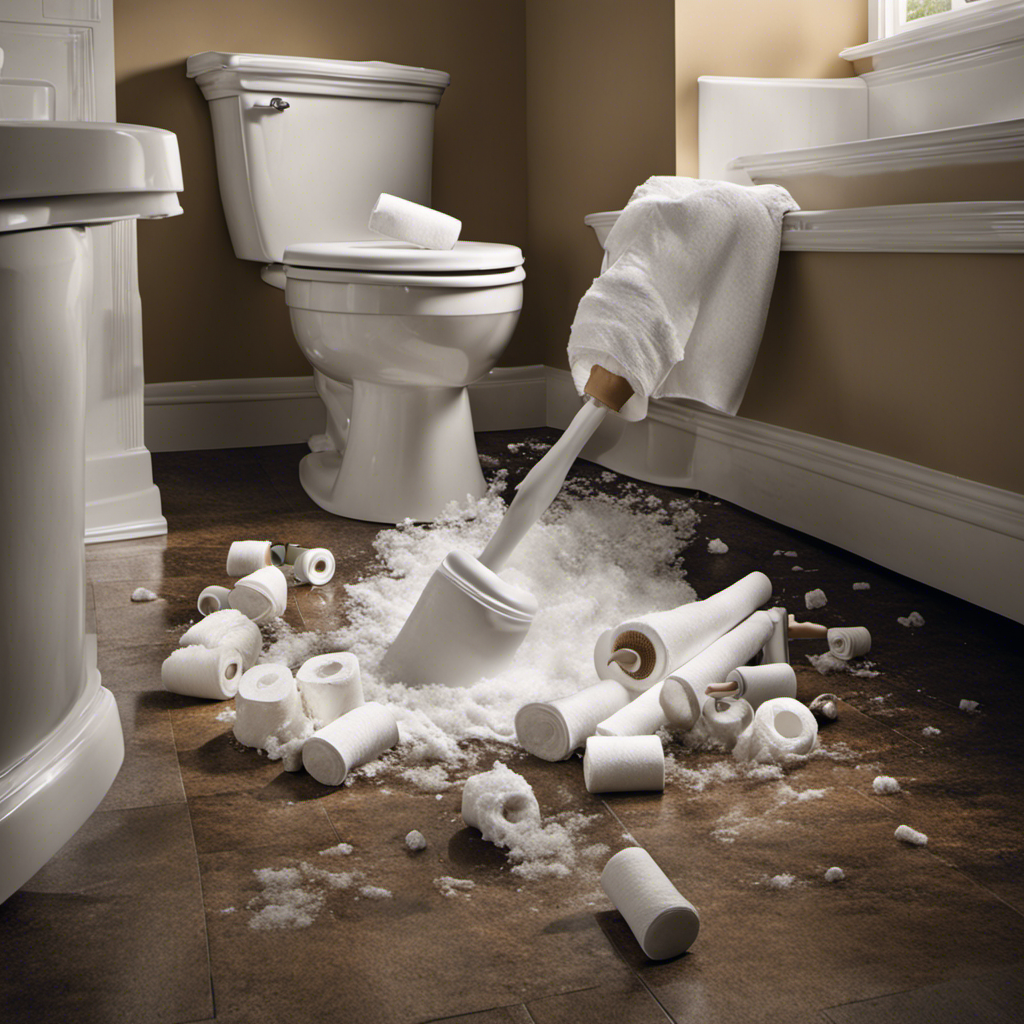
680, 310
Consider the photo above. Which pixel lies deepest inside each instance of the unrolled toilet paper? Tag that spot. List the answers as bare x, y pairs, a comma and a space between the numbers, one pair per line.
212, 599
847, 642
330, 686
314, 565
712, 665
209, 672
663, 921
500, 803
262, 595
246, 556
758, 683
410, 222
269, 715
553, 730
782, 727
662, 641
358, 736
623, 764
227, 628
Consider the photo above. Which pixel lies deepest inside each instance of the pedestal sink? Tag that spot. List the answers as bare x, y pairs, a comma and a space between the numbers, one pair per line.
60, 736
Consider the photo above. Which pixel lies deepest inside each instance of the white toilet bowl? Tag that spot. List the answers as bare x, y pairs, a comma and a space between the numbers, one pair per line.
410, 328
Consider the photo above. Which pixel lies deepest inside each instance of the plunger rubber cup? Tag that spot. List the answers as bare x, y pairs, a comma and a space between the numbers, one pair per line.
467, 625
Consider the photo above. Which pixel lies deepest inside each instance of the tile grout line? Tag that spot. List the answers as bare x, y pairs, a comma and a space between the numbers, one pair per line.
199, 878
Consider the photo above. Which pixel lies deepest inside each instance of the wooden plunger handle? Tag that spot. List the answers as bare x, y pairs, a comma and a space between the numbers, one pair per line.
608, 388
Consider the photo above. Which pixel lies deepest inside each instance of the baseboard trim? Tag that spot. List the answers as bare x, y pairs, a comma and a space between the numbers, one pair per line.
960, 536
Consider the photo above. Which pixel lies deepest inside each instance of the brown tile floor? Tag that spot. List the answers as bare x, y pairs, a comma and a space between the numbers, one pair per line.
143, 916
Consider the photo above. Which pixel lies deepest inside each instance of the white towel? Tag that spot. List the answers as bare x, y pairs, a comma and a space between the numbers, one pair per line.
681, 308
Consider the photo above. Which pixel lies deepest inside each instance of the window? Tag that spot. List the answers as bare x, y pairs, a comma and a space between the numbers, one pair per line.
893, 16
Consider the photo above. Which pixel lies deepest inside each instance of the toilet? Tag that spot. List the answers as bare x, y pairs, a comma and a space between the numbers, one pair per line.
394, 332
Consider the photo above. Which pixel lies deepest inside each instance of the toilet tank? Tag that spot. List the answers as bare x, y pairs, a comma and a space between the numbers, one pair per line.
311, 172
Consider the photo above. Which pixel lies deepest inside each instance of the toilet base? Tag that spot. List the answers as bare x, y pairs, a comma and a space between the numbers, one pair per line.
410, 451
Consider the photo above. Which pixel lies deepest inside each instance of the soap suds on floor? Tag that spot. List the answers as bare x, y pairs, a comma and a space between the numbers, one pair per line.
717, 547
828, 663
862, 586
344, 849
930, 730
782, 881
835, 875
226, 715
450, 887
595, 559
885, 785
141, 594
912, 620
815, 599
415, 840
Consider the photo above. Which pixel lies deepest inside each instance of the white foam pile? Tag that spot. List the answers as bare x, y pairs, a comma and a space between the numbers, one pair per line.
912, 620
415, 840
451, 887
835, 875
828, 663
885, 785
930, 730
142, 594
782, 881
595, 559
717, 546
968, 705
815, 599
862, 586
906, 834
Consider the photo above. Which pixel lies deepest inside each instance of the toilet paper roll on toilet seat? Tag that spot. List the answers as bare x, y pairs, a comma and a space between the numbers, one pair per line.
315, 566
330, 686
227, 628
663, 921
553, 730
267, 707
262, 595
196, 671
358, 736
411, 222
212, 599
847, 642
758, 683
624, 764
246, 556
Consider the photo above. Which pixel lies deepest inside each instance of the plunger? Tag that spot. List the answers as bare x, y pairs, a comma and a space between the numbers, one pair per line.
468, 623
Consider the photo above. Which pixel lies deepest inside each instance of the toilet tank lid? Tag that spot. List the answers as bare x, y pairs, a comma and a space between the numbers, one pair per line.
264, 63
386, 255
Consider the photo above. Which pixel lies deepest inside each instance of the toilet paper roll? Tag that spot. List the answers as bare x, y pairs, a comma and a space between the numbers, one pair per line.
227, 628
776, 650
725, 720
499, 803
357, 737
410, 222
640, 717
262, 595
212, 599
623, 764
848, 642
315, 565
712, 665
330, 686
209, 672
553, 730
662, 641
663, 921
758, 683
782, 727
267, 707
246, 556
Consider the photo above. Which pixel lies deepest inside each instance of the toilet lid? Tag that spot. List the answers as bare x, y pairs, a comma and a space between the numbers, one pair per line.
388, 256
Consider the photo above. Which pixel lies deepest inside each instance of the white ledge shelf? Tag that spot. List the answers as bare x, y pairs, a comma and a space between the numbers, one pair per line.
988, 227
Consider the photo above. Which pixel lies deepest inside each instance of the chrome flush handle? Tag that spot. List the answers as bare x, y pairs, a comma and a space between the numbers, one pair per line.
276, 104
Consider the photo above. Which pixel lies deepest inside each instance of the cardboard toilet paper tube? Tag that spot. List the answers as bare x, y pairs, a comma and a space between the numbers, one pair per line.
776, 649
315, 566
267, 707
847, 642
357, 737
624, 764
553, 730
712, 665
262, 595
410, 222
209, 672
212, 599
782, 727
330, 686
246, 556
663, 921
758, 683
662, 641
227, 628
497, 802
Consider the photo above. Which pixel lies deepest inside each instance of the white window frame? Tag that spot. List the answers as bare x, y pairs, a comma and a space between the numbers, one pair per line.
887, 18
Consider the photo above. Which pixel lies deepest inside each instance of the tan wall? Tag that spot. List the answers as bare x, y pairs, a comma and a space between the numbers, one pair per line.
206, 314
599, 117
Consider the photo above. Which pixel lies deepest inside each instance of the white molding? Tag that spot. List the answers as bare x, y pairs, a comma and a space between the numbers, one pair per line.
987, 227
247, 412
962, 537
984, 27
996, 142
